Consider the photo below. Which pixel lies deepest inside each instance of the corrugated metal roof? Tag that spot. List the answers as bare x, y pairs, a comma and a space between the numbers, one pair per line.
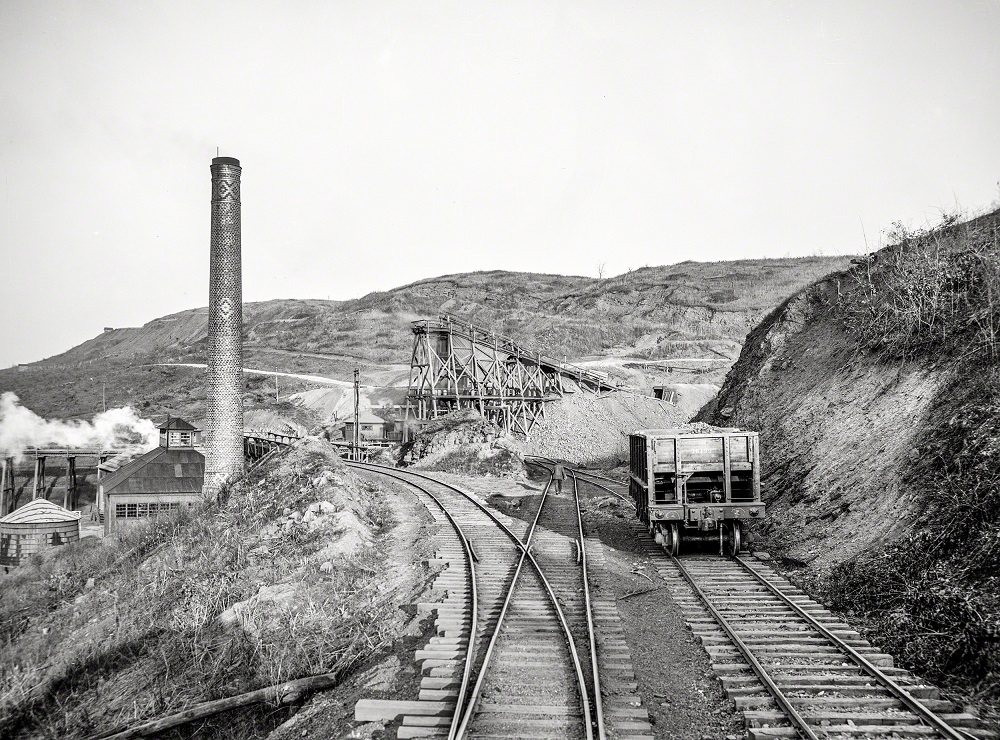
40, 511
156, 472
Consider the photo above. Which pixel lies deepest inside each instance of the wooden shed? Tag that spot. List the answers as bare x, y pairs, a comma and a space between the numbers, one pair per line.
159, 482
33, 527
371, 426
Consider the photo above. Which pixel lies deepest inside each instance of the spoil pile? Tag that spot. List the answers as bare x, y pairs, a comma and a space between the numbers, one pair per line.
464, 442
594, 431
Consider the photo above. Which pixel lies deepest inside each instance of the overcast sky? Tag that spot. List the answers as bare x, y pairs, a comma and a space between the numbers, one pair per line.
384, 142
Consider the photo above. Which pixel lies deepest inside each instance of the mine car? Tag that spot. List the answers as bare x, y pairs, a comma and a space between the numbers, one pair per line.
690, 487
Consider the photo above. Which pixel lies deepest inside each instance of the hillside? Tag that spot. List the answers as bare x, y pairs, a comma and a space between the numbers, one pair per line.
672, 306
630, 325
284, 578
875, 393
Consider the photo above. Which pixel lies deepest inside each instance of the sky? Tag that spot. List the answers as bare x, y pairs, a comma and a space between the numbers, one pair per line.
385, 142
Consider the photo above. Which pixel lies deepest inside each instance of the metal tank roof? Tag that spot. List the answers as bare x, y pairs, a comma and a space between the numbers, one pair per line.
40, 511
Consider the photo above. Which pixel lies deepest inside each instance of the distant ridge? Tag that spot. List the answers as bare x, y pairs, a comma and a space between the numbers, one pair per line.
687, 310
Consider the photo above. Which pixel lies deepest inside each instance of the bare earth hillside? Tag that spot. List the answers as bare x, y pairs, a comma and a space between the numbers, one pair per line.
875, 395
634, 323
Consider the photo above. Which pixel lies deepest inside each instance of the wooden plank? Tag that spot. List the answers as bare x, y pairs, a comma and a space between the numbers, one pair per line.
372, 710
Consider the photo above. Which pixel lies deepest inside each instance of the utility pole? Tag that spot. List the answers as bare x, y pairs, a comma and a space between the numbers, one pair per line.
276, 398
357, 428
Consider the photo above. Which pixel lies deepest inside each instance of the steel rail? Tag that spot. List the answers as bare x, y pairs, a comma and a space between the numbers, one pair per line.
577, 468
477, 689
591, 633
577, 471
474, 623
621, 496
525, 554
910, 701
782, 701
588, 474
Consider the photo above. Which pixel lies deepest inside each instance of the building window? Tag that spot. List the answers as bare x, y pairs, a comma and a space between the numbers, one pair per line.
180, 439
140, 510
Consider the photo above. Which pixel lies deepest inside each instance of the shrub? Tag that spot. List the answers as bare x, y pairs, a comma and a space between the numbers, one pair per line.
929, 291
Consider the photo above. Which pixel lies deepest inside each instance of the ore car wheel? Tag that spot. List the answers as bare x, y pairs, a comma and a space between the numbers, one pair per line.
735, 539
672, 539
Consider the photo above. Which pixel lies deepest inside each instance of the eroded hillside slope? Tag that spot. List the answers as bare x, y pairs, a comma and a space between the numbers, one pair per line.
876, 395
700, 310
838, 429
283, 578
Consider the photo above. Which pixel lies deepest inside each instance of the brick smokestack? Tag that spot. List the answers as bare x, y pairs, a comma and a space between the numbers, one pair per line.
224, 458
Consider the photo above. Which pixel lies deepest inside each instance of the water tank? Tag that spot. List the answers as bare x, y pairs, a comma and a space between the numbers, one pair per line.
33, 527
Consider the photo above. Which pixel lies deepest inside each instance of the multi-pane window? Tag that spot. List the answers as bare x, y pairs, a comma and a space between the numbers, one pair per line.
139, 510
181, 439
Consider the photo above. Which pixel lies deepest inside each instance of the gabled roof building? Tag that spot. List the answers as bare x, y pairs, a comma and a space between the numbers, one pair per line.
161, 481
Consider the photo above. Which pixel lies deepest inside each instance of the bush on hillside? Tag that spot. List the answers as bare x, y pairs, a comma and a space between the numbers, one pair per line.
929, 291
932, 598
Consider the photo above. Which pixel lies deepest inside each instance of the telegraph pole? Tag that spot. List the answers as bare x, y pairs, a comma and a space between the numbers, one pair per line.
357, 428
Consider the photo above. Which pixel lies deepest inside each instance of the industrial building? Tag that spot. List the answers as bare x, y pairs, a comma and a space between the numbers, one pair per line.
371, 427
161, 481
458, 365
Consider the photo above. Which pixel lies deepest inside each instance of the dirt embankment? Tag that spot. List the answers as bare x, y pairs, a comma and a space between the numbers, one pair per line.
838, 430
876, 394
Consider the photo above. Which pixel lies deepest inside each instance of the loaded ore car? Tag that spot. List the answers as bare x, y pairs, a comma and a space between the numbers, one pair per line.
696, 486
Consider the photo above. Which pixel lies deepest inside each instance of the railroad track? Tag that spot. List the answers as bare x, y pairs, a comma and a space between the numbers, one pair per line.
795, 669
588, 477
524, 667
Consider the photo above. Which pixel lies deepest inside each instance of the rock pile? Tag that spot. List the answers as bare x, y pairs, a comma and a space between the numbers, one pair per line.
590, 430
327, 507
464, 442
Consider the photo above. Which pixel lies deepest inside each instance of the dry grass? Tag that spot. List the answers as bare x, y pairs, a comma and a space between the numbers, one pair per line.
931, 291
146, 640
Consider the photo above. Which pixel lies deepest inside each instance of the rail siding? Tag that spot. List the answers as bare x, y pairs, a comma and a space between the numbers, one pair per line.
833, 695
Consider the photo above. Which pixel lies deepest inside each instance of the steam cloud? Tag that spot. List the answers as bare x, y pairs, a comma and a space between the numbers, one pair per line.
21, 428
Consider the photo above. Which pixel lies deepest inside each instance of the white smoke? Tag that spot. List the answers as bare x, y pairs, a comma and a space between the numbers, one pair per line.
121, 428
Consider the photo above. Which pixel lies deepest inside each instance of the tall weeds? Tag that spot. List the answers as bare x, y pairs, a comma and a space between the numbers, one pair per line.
146, 638
934, 290
932, 597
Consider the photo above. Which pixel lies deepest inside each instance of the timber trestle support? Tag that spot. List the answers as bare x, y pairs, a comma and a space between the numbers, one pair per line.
458, 365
